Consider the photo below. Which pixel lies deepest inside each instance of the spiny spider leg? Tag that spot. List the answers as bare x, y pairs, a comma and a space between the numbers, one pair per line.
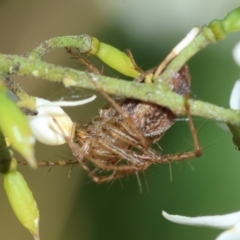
51, 163
128, 139
197, 151
86, 63
136, 67
124, 153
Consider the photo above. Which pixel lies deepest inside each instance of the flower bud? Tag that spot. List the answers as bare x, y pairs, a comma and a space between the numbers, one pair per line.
230, 23
14, 126
114, 58
22, 200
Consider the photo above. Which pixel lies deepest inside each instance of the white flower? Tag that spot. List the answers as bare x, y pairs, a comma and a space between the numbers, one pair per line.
234, 101
236, 53
52, 125
235, 94
230, 221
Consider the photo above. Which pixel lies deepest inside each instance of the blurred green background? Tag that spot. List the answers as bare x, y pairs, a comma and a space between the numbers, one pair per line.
76, 208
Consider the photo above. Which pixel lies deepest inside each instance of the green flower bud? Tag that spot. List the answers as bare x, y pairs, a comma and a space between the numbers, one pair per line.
21, 200
14, 126
231, 23
114, 58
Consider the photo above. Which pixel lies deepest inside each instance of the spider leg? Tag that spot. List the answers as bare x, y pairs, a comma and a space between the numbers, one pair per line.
128, 155
51, 163
136, 67
86, 63
126, 138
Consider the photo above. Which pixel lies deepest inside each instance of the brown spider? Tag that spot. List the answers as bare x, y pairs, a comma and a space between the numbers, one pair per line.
118, 141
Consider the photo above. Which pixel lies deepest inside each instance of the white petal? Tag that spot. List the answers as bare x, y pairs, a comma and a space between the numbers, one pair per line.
52, 125
70, 103
187, 40
236, 53
44, 126
231, 234
218, 221
235, 96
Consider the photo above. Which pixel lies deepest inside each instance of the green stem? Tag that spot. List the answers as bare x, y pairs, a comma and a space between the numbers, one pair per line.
145, 92
16, 89
82, 42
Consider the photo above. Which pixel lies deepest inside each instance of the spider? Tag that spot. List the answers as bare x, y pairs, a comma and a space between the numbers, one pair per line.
118, 141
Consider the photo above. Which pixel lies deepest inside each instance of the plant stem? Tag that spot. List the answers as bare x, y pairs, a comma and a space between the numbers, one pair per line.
161, 95
82, 42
